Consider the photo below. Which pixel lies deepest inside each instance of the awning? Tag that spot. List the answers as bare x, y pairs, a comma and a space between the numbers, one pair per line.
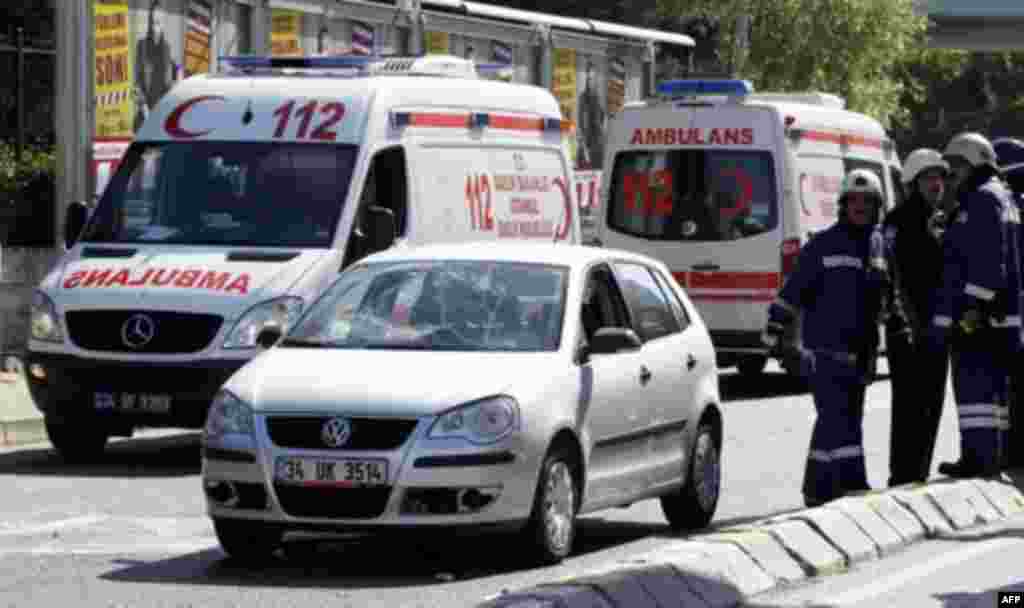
580, 25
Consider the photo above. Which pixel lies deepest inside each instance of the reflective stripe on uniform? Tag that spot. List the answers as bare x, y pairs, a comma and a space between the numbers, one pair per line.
942, 321
1003, 416
850, 451
841, 261
979, 422
1011, 321
976, 409
979, 292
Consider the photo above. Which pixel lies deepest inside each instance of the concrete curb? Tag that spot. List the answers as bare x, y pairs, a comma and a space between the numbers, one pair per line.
724, 568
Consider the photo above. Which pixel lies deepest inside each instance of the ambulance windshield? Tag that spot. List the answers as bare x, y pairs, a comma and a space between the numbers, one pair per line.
247, 194
693, 195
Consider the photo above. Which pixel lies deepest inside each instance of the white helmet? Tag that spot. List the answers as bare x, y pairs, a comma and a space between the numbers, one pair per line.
922, 160
975, 148
861, 180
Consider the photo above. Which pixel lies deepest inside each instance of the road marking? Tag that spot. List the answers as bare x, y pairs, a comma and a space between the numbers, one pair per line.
53, 526
921, 571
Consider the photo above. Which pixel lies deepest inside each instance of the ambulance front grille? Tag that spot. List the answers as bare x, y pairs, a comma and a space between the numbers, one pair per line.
168, 332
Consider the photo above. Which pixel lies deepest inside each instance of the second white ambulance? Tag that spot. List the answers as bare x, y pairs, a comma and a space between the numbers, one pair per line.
725, 186
242, 197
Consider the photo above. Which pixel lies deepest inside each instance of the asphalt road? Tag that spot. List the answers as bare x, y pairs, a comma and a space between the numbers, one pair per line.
131, 531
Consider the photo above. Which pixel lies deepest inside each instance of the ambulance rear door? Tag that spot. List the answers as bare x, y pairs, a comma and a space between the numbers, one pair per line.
699, 187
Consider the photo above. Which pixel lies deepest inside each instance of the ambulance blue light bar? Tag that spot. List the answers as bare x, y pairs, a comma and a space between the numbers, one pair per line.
693, 87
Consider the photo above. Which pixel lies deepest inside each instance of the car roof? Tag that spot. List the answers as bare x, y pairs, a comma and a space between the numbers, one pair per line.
573, 256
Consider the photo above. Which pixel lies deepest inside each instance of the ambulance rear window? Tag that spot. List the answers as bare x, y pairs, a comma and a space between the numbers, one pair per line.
693, 195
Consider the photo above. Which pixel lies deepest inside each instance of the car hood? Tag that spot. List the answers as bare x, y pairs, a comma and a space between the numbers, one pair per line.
216, 280
384, 382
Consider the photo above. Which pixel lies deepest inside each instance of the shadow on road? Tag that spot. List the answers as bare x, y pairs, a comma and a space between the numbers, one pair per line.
737, 387
373, 562
167, 456
983, 599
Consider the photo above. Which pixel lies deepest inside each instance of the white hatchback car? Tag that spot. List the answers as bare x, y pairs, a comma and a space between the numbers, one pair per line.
496, 386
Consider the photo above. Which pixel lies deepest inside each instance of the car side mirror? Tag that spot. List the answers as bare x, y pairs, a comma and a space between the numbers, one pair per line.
74, 222
269, 336
383, 225
611, 340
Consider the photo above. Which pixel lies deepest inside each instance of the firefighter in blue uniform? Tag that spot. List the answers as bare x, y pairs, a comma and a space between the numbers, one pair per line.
978, 307
839, 286
1010, 155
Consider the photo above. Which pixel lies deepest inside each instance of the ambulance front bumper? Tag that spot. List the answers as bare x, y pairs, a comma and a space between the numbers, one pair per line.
152, 394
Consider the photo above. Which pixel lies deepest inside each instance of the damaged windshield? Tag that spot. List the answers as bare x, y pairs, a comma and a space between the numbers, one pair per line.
221, 193
444, 305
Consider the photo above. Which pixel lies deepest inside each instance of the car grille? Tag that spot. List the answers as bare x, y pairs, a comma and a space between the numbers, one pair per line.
173, 332
303, 432
342, 503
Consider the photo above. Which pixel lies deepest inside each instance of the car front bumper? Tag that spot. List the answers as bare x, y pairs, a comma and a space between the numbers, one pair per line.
431, 484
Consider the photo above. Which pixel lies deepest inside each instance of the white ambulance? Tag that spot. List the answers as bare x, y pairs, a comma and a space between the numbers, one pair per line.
725, 186
243, 196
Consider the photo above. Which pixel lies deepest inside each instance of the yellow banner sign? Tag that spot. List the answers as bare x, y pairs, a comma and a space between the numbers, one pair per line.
284, 35
436, 43
112, 76
198, 28
563, 85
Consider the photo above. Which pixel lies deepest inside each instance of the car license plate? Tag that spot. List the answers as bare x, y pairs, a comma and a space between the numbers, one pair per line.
133, 402
331, 472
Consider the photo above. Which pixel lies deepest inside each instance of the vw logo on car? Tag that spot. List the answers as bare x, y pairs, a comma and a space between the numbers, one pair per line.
336, 432
138, 331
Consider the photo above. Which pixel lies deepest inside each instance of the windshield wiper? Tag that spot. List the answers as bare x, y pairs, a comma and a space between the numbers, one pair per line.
307, 343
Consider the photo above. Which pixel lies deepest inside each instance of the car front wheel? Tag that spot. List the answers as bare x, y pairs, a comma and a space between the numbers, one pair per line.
552, 524
692, 506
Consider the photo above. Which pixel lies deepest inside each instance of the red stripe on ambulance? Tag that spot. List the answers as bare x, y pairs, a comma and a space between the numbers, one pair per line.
717, 286
843, 139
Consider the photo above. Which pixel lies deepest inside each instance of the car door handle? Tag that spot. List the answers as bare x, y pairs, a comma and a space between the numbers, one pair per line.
645, 374
706, 267
691, 362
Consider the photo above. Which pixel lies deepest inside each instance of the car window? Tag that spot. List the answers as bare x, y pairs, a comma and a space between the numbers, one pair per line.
673, 299
446, 305
652, 316
693, 195
603, 305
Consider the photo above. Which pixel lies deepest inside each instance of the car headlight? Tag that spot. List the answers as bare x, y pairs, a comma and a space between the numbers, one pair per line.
282, 312
44, 321
228, 415
481, 422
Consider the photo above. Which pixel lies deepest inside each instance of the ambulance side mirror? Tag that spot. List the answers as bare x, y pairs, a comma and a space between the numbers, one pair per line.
382, 225
74, 222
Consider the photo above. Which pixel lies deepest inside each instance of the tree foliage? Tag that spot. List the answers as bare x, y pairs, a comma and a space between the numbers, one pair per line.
857, 49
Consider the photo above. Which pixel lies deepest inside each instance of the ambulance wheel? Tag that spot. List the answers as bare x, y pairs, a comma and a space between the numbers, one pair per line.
77, 443
692, 507
751, 366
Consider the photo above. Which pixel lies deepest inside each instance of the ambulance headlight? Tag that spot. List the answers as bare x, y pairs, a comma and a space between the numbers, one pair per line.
282, 312
44, 321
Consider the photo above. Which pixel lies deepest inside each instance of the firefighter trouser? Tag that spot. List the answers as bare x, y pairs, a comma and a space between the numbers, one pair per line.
918, 377
980, 379
835, 463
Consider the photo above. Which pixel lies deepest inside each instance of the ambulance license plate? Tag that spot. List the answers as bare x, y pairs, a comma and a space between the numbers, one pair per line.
142, 403
331, 472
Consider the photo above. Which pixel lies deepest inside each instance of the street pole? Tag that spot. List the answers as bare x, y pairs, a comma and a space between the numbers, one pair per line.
20, 98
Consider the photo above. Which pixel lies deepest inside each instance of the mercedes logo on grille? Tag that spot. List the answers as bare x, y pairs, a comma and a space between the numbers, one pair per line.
138, 331
336, 432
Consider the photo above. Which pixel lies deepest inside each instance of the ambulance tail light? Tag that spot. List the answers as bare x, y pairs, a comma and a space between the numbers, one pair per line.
790, 253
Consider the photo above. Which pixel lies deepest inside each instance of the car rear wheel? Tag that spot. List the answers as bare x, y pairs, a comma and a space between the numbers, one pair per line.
692, 506
77, 442
552, 525
248, 541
